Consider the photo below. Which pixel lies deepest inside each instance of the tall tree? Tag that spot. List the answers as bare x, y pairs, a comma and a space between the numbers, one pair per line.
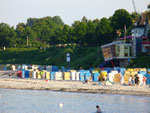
58, 20
121, 18
148, 7
12, 38
84, 20
21, 34
90, 36
31, 35
62, 35
79, 31
104, 31
7, 35
65, 33
44, 29
135, 16
31, 21
96, 21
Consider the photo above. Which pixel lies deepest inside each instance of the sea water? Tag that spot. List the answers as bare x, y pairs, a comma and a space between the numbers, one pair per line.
40, 101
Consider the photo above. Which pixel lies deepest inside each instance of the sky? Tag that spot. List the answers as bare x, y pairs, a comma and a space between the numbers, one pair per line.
13, 12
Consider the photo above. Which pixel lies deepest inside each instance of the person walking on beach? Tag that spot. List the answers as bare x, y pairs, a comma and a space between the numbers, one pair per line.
122, 80
133, 81
98, 109
137, 80
105, 78
130, 80
144, 80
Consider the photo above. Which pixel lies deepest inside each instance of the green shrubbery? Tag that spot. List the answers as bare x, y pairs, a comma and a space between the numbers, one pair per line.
86, 57
80, 56
142, 60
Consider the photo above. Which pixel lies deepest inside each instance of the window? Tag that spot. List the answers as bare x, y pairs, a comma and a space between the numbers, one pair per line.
117, 50
126, 54
126, 50
130, 52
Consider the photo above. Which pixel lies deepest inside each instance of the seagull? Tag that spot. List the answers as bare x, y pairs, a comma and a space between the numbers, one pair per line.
61, 105
0, 96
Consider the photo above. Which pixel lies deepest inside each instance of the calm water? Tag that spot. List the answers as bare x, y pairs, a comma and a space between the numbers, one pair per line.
37, 101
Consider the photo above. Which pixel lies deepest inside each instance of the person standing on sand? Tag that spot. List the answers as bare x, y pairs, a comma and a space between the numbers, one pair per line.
144, 80
105, 78
98, 109
133, 81
122, 80
130, 80
137, 80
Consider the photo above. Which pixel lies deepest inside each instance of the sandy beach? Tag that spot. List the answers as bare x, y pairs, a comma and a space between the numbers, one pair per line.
14, 82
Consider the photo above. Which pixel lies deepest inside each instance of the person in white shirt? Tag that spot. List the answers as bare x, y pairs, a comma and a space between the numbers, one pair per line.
130, 80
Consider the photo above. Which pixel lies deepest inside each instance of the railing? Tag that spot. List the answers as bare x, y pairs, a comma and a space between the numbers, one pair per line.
123, 42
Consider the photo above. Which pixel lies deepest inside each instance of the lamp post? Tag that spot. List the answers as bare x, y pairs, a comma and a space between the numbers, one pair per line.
68, 58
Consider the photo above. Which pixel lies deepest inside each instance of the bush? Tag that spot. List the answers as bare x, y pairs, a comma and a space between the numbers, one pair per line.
80, 56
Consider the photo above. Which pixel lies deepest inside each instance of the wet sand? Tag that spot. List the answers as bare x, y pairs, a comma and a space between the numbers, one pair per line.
14, 82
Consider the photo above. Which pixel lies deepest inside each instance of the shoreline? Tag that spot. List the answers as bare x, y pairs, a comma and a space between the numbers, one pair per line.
72, 86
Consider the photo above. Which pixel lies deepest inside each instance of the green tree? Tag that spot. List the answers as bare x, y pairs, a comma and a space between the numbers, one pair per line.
78, 31
65, 34
56, 39
120, 18
58, 20
148, 7
44, 29
23, 31
7, 35
104, 31
96, 21
135, 16
84, 20
31, 35
21, 34
90, 36
21, 25
12, 38
31, 21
